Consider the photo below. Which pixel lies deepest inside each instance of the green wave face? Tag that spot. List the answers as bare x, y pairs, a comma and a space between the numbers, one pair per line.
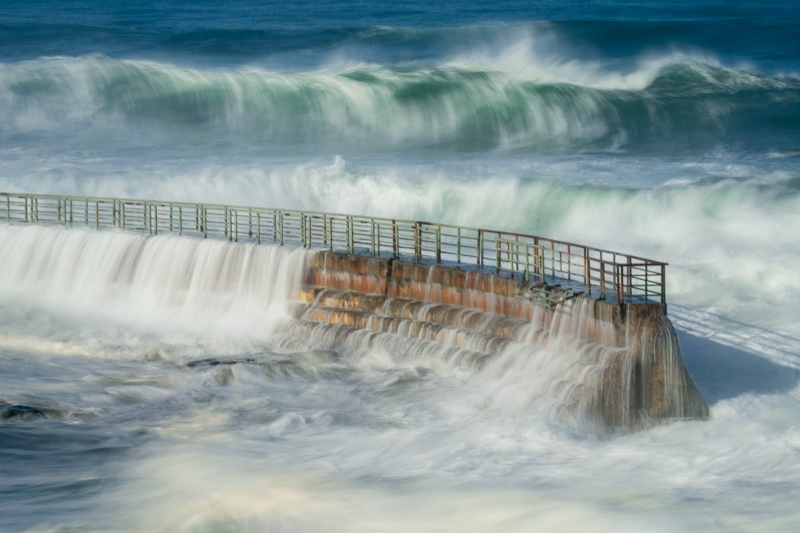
680, 105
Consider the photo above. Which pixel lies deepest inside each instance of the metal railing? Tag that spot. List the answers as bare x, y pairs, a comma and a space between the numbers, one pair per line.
601, 273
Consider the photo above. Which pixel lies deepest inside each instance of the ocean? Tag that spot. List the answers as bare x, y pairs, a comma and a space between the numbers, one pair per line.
666, 130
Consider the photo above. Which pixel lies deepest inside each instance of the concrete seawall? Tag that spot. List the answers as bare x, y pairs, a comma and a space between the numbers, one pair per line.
641, 378
604, 352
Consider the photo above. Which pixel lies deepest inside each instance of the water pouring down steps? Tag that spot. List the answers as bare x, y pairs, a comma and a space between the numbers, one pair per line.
581, 360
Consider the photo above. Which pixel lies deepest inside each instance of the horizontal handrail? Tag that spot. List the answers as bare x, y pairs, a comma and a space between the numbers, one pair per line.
607, 274
525, 259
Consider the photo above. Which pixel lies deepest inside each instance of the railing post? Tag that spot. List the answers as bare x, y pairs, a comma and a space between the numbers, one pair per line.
395, 241
541, 263
351, 234
258, 227
330, 233
664, 288
517, 262
378, 234
303, 229
630, 280
154, 207
569, 262
8, 209
602, 279
180, 220
97, 214
280, 221
587, 270
171, 207
236, 225
417, 241
512, 266
372, 235
497, 254
479, 250
458, 246
527, 276
250, 223
513, 257
438, 244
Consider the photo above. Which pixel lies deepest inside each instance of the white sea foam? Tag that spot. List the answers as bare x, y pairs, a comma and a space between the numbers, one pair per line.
741, 265
165, 282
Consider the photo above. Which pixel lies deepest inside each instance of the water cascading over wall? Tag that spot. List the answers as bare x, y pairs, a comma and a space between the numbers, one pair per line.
162, 277
581, 361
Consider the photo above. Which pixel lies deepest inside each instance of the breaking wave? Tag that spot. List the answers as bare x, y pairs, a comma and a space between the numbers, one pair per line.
510, 102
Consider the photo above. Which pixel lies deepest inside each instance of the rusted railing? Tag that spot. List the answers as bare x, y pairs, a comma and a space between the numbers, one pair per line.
601, 273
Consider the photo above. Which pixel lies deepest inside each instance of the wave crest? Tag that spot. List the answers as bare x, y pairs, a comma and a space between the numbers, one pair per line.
684, 103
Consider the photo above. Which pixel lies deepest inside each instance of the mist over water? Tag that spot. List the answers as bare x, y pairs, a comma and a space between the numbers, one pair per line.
170, 398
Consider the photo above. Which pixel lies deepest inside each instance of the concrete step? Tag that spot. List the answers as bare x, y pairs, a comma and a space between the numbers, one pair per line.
444, 314
464, 337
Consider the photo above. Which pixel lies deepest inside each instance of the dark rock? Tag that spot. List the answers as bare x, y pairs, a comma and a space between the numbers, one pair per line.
218, 362
21, 412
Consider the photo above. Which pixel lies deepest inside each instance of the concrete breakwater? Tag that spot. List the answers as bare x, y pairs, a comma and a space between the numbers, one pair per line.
618, 363
573, 331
